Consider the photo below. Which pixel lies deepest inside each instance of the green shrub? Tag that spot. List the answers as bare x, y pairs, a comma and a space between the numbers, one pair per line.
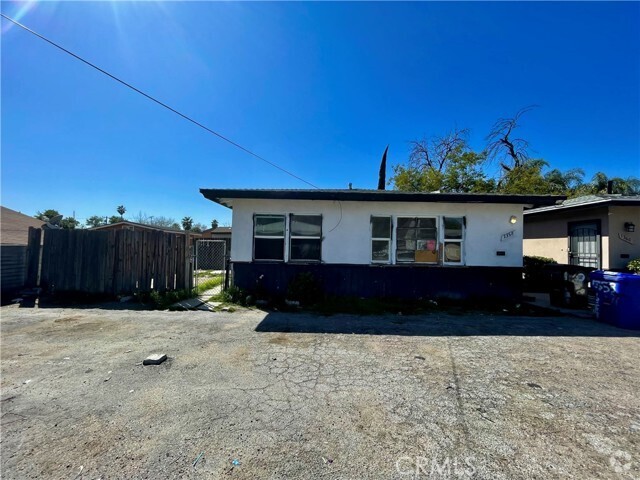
163, 300
232, 294
634, 265
535, 261
536, 279
305, 288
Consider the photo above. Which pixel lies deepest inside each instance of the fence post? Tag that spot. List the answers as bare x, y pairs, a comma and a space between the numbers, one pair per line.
34, 252
188, 275
227, 268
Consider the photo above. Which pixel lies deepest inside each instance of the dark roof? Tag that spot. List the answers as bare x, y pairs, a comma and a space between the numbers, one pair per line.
14, 226
220, 230
600, 200
225, 196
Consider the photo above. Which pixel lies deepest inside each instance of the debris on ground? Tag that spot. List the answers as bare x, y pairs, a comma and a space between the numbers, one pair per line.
418, 357
195, 462
533, 385
236, 462
155, 359
328, 461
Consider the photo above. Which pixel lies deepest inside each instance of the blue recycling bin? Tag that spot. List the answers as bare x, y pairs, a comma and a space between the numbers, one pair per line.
617, 298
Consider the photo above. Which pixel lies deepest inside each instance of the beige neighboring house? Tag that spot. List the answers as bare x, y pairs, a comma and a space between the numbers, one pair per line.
14, 236
218, 233
14, 227
597, 231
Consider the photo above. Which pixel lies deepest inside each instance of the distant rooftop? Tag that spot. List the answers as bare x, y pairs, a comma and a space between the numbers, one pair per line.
221, 230
137, 225
14, 226
225, 196
589, 201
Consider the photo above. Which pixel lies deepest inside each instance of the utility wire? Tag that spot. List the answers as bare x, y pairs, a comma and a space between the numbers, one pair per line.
162, 104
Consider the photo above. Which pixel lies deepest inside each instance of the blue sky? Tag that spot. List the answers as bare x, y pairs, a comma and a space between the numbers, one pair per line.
318, 88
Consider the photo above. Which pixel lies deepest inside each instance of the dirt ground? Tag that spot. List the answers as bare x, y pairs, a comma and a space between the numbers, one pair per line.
302, 396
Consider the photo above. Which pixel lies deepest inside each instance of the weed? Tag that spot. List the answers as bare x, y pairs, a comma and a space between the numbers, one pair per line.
232, 294
209, 284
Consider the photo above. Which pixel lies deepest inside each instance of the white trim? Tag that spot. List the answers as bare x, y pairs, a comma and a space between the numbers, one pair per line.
461, 241
389, 240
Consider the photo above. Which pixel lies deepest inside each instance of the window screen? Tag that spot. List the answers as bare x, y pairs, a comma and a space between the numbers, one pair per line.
268, 237
380, 239
305, 239
453, 228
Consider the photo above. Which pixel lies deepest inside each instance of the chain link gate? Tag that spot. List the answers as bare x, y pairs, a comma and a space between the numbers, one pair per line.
210, 265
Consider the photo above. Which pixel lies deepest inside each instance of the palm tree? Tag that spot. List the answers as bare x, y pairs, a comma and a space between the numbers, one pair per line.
121, 211
622, 186
187, 223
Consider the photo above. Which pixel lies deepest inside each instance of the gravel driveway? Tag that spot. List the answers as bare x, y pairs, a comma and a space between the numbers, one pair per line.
302, 396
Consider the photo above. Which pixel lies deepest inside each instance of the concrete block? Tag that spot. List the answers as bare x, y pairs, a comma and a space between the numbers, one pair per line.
155, 359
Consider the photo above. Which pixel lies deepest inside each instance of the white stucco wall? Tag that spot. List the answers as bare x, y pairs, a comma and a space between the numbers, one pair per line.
346, 227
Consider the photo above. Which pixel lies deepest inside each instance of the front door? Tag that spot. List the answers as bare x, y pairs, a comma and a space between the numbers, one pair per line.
584, 244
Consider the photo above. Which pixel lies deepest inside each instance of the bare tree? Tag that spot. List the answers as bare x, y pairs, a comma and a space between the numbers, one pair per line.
435, 152
502, 144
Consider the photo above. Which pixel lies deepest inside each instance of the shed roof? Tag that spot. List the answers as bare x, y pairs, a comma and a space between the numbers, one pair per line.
226, 196
14, 226
587, 201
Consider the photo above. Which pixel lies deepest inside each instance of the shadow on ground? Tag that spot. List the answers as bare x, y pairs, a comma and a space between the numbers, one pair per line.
437, 325
79, 303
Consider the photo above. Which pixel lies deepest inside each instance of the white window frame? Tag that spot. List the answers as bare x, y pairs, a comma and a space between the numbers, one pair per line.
270, 237
303, 237
380, 239
461, 241
437, 239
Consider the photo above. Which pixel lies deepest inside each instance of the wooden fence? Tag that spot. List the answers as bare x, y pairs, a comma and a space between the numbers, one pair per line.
13, 261
109, 262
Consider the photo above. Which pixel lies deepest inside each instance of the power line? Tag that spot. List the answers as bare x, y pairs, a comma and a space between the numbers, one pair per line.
153, 99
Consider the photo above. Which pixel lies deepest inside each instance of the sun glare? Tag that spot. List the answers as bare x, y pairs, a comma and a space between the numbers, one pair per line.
23, 9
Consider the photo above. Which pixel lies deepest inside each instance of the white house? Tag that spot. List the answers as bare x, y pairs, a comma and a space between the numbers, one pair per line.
378, 243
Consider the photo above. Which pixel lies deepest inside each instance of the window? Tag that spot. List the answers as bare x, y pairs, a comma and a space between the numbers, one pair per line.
268, 237
453, 228
305, 238
380, 239
417, 240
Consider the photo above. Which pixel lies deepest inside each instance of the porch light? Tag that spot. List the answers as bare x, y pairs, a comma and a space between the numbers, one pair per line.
629, 227
513, 219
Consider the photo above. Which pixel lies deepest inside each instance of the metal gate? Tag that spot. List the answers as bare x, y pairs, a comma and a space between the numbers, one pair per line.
584, 244
210, 266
